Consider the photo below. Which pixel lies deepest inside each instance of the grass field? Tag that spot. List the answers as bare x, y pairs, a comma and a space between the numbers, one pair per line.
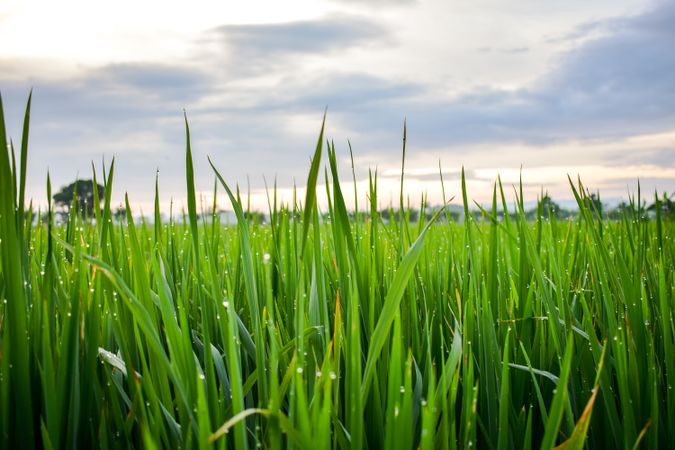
347, 332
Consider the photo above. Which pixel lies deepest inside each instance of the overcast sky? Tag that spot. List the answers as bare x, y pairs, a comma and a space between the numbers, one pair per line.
574, 87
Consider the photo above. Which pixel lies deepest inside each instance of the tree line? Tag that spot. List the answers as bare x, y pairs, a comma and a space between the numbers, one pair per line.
80, 195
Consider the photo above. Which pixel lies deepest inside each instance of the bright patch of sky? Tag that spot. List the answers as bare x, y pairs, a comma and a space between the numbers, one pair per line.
557, 88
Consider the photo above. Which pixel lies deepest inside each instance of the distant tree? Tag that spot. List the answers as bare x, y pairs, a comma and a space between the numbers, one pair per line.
548, 208
389, 214
120, 213
593, 203
84, 196
666, 204
618, 212
255, 217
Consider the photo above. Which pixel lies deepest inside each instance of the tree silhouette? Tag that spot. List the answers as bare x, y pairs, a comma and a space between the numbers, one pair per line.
619, 211
547, 207
84, 196
120, 213
594, 204
666, 204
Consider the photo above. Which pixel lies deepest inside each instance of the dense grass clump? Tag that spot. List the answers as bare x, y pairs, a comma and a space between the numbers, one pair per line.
349, 332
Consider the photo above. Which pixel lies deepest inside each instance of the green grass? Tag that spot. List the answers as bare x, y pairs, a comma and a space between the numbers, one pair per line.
349, 332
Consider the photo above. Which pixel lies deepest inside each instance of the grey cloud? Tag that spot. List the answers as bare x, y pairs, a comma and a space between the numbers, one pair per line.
120, 92
135, 112
132, 110
349, 92
658, 156
299, 37
583, 31
154, 79
613, 86
243, 52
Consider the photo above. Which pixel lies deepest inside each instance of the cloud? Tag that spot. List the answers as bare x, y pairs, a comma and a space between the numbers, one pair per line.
351, 91
246, 52
612, 86
153, 79
378, 3
255, 105
113, 93
302, 37
130, 110
505, 50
